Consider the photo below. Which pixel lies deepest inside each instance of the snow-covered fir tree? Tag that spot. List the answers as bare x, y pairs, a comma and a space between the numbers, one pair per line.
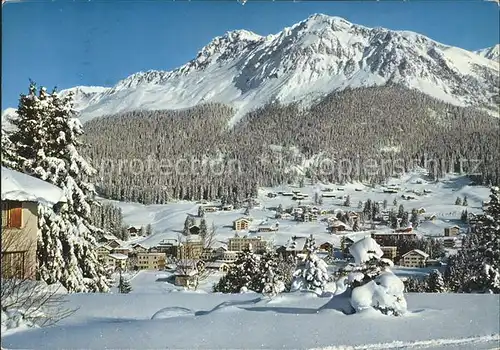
273, 280
124, 286
8, 155
46, 142
371, 283
435, 282
476, 266
244, 274
313, 275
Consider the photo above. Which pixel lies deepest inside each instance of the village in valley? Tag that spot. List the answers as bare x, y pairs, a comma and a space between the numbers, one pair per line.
416, 222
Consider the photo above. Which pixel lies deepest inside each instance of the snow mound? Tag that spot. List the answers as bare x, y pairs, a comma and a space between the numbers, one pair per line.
385, 293
17, 186
170, 312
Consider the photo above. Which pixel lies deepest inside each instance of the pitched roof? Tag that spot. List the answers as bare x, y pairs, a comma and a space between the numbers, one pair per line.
17, 186
118, 256
419, 252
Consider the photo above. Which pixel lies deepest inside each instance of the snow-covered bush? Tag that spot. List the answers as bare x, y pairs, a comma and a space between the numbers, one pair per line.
27, 303
372, 284
313, 275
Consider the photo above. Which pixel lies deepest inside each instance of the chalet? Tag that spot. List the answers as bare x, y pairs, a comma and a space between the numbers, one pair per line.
229, 256
187, 280
390, 190
382, 238
107, 238
284, 216
451, 231
227, 207
241, 224
272, 195
256, 244
116, 261
295, 246
210, 208
103, 251
150, 261
328, 195
297, 210
390, 252
123, 250
134, 230
327, 189
326, 246
220, 266
21, 196
268, 227
115, 243
414, 258
192, 248
138, 248
337, 226
287, 194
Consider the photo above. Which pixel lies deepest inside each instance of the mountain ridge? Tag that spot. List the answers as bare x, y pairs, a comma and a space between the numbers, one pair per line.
304, 62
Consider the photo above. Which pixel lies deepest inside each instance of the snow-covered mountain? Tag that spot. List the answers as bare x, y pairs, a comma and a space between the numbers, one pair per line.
308, 60
491, 53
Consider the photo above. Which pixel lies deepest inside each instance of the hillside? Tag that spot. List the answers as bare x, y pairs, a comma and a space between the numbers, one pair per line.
301, 63
153, 157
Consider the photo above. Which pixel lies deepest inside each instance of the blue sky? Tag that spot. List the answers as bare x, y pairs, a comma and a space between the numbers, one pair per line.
67, 43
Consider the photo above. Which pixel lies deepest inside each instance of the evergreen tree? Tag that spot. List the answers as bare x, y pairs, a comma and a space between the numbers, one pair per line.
384, 205
395, 202
245, 273
435, 282
464, 216
414, 285
458, 201
355, 226
8, 155
476, 266
314, 274
414, 217
187, 224
401, 211
360, 205
405, 219
46, 142
201, 211
124, 285
149, 230
347, 202
464, 202
203, 229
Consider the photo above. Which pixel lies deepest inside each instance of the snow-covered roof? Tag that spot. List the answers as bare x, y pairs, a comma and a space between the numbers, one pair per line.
118, 256
297, 244
419, 252
18, 186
